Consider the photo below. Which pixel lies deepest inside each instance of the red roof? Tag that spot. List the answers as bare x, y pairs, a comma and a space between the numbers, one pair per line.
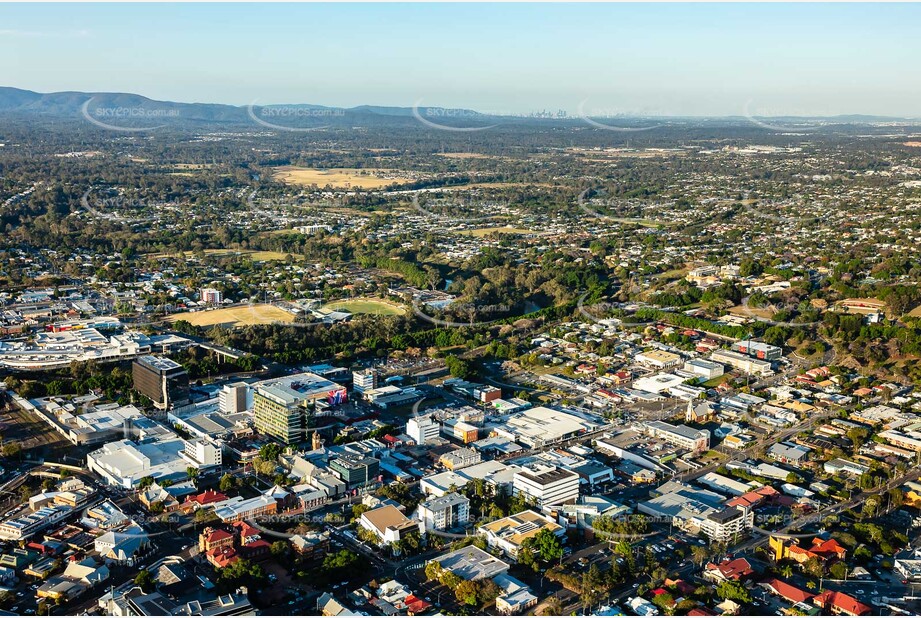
732, 569
831, 599
830, 546
789, 592
208, 497
218, 535
222, 556
245, 529
701, 611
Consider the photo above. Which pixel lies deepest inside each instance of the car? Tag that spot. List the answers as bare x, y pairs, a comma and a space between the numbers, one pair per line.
429, 599
861, 592
635, 586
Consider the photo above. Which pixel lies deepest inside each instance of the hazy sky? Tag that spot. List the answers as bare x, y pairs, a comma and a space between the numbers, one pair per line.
696, 59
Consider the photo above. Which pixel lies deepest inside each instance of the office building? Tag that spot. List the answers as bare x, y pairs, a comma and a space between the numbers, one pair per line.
547, 485
422, 429
356, 471
234, 398
285, 408
162, 380
758, 349
364, 380
694, 440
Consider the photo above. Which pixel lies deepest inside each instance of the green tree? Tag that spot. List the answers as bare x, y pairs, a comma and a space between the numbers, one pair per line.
145, 580
466, 593
228, 482
547, 545
734, 591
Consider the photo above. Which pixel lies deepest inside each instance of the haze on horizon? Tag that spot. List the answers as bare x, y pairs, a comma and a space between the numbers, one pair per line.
652, 59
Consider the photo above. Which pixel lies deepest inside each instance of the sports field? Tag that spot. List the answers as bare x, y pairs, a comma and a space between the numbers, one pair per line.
236, 316
371, 306
339, 178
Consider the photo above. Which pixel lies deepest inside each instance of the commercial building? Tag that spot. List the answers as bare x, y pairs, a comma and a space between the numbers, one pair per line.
698, 511
234, 398
508, 534
449, 511
659, 383
472, 564
460, 430
834, 466
704, 368
97, 424
660, 359
753, 366
694, 440
155, 453
202, 453
460, 458
547, 485
422, 429
162, 380
285, 408
23, 526
758, 349
388, 524
356, 471
364, 380
538, 426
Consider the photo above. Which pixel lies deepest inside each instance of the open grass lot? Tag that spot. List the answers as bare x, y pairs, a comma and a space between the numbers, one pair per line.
258, 256
339, 178
236, 316
373, 306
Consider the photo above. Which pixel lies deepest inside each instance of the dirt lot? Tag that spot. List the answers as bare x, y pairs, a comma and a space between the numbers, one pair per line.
236, 316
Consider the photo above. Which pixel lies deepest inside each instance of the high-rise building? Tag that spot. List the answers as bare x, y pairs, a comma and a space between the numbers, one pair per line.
211, 296
547, 485
285, 408
234, 398
364, 380
164, 381
448, 511
422, 429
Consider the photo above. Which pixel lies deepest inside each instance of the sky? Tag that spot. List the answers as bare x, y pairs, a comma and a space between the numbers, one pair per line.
594, 59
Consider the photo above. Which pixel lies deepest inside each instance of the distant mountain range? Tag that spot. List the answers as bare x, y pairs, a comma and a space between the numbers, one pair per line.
126, 109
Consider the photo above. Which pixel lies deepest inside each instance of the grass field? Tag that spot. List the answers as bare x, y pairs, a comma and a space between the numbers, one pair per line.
338, 178
258, 256
236, 316
371, 306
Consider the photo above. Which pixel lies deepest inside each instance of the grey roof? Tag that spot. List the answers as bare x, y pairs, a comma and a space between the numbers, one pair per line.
472, 563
